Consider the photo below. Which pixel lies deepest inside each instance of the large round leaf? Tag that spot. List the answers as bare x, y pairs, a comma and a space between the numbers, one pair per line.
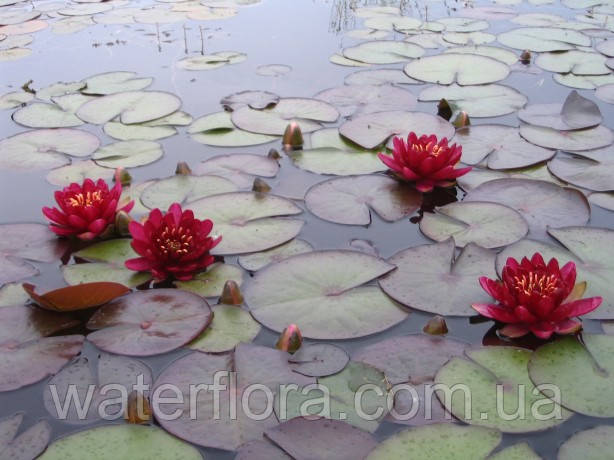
319, 360
494, 52
330, 301
41, 115
29, 444
218, 130
249, 222
383, 52
367, 98
124, 132
114, 82
183, 189
464, 69
575, 61
428, 278
240, 168
211, 283
584, 139
593, 444
128, 154
372, 130
348, 200
542, 204
591, 169
542, 39
147, 323
581, 371
210, 61
497, 369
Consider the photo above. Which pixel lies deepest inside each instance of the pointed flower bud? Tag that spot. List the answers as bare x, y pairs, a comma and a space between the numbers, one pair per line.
122, 176
231, 295
122, 222
290, 339
183, 169
274, 154
436, 326
461, 120
138, 410
444, 110
293, 137
525, 57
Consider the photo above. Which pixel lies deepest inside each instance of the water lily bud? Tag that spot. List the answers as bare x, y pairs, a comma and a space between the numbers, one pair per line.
260, 186
138, 410
183, 169
436, 326
231, 295
293, 137
122, 176
525, 57
274, 154
444, 110
122, 221
462, 119
290, 339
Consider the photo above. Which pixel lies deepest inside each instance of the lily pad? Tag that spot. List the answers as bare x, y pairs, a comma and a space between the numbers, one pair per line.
211, 283
114, 82
603, 200
128, 154
463, 24
258, 260
520, 451
258, 100
58, 89
211, 61
576, 113
372, 130
380, 77
579, 370
79, 297
593, 444
464, 69
15, 99
583, 81
249, 222
338, 306
240, 168
273, 70
500, 54
109, 442
383, 52
137, 132
542, 39
260, 450
29, 444
12, 294
542, 204
147, 323
45, 148
306, 112
71, 102
28, 27
78, 172
218, 130
437, 441
502, 145
505, 368
583, 139
14, 53
367, 98
319, 360
231, 326
130, 106
349, 200
468, 38
339, 59
489, 225
591, 169
574, 61
41, 115
183, 189
422, 271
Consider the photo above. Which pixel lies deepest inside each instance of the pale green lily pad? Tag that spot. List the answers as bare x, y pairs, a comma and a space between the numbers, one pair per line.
71, 102
14, 53
342, 60
137, 442
330, 302
16, 41
383, 52
27, 445
490, 225
124, 132
240, 168
130, 106
431, 41
78, 171
177, 118
71, 24
520, 451
468, 38
464, 69
574, 61
211, 61
591, 169
494, 52
380, 77
487, 369
114, 82
374, 129
306, 112
603, 200
606, 47
592, 444
583, 81
538, 19
605, 93
128, 154
580, 370
392, 22
41, 115
584, 139
477, 101
423, 271
258, 260
217, 129
349, 200
211, 283
248, 222
273, 70
332, 154
542, 39
502, 145
9, 16
576, 112
258, 100
434, 442
463, 24
45, 148
231, 326
58, 89
353, 99
183, 189
368, 34
15, 99
12, 294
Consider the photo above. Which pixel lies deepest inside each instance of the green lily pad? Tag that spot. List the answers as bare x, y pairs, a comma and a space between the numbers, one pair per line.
576, 113
468, 38
14, 53
500, 54
211, 61
379, 77
137, 442
351, 99
78, 171
542, 204
583, 139
114, 82
29, 444
581, 371
392, 22
349, 200
542, 39
15, 99
258, 100
177, 118
593, 444
372, 130
240, 168
258, 260
218, 130
487, 369
231, 326
137, 132
574, 61
330, 302
583, 81
130, 106
41, 115
58, 89
464, 69
437, 441
211, 283
463, 24
342, 60
431, 41
306, 112
71, 102
249, 222
477, 101
128, 154
422, 271
520, 451
319, 360
183, 189
383, 52
12, 294
502, 145
603, 200
591, 169
489, 225
45, 148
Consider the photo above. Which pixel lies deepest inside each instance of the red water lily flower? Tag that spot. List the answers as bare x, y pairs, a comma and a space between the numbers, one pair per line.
425, 161
538, 298
85, 210
174, 245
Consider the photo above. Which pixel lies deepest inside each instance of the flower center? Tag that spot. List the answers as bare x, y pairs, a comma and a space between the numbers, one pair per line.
541, 284
431, 148
174, 241
85, 199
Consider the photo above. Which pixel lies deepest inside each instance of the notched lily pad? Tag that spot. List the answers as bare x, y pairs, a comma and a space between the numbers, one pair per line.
258, 260
240, 168
591, 169
319, 360
27, 445
258, 100
218, 130
576, 112
463, 69
351, 99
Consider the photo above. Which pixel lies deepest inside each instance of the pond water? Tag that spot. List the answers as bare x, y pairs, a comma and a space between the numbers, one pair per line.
302, 35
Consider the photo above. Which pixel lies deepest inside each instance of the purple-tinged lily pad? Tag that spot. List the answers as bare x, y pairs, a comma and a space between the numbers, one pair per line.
258, 100
463, 69
218, 130
359, 99
147, 323
603, 200
576, 113
428, 278
239, 168
590, 169
258, 260
27, 445
260, 450
592, 444
78, 171
583, 139
319, 360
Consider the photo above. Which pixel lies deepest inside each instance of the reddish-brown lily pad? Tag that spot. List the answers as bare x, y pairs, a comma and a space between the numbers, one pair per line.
78, 297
